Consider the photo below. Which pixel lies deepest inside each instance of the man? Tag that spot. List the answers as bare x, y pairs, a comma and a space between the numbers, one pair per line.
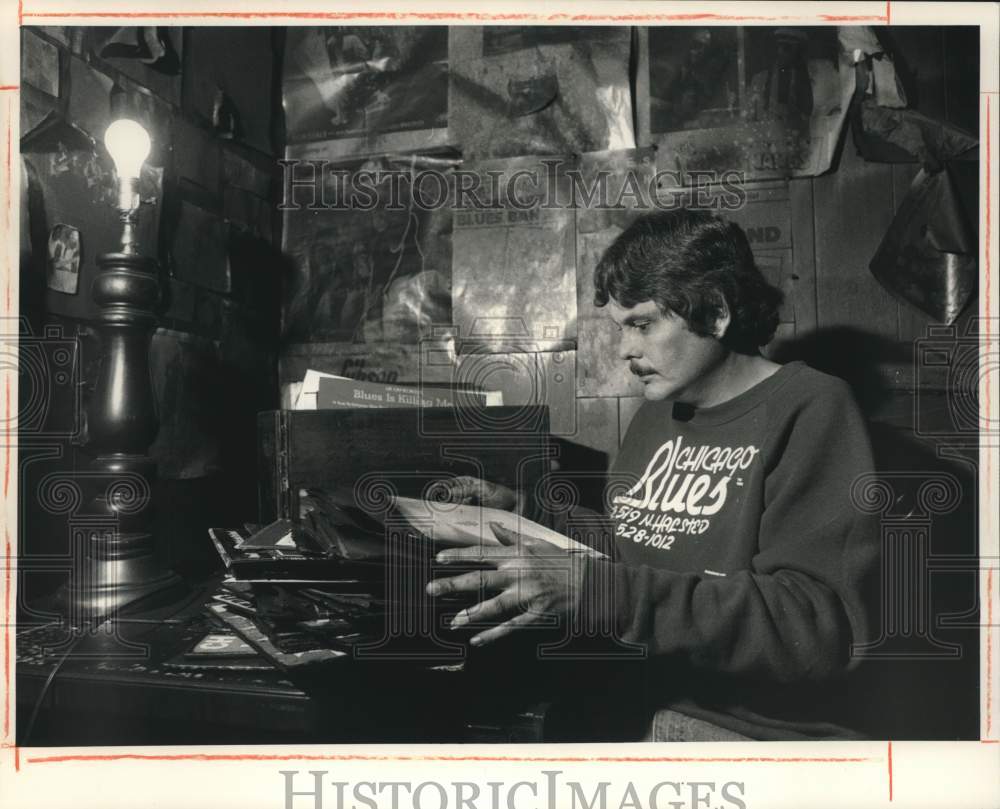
739, 561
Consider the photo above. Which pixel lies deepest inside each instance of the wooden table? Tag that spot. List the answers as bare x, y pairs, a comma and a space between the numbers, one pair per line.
117, 686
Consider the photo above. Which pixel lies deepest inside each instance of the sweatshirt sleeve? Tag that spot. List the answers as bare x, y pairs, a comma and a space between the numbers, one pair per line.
793, 613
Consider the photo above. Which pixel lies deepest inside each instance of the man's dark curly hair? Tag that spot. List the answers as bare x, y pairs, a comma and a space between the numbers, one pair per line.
688, 262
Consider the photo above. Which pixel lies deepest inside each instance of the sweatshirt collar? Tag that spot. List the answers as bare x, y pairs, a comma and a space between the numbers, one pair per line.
743, 402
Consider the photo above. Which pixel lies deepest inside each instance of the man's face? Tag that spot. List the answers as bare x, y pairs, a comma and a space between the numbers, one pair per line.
671, 361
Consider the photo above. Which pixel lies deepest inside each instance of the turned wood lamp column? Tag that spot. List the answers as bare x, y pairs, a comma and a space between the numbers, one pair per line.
121, 565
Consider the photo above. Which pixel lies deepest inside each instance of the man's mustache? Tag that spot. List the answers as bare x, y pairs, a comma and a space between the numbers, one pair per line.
638, 370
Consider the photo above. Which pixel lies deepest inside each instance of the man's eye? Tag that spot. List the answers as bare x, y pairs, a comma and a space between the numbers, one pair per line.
641, 326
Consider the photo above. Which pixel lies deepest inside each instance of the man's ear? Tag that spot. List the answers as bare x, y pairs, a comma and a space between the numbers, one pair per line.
722, 318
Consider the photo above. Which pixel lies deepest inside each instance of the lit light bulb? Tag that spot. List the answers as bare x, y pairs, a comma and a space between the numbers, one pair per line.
128, 144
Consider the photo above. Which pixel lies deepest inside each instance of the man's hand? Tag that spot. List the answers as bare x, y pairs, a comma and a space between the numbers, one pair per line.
535, 581
473, 491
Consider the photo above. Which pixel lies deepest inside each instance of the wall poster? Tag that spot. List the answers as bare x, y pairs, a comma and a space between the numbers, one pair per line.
356, 81
767, 101
372, 266
542, 90
521, 240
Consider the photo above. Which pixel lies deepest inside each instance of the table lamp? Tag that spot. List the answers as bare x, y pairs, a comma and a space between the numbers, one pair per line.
118, 564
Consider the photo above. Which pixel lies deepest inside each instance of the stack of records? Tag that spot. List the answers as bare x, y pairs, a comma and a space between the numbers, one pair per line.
344, 583
337, 584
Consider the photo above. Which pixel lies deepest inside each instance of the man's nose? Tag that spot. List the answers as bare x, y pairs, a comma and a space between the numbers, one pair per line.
627, 346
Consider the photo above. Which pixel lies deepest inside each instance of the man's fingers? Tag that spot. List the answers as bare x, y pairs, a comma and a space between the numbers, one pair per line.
474, 581
505, 535
506, 628
509, 538
463, 489
489, 611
